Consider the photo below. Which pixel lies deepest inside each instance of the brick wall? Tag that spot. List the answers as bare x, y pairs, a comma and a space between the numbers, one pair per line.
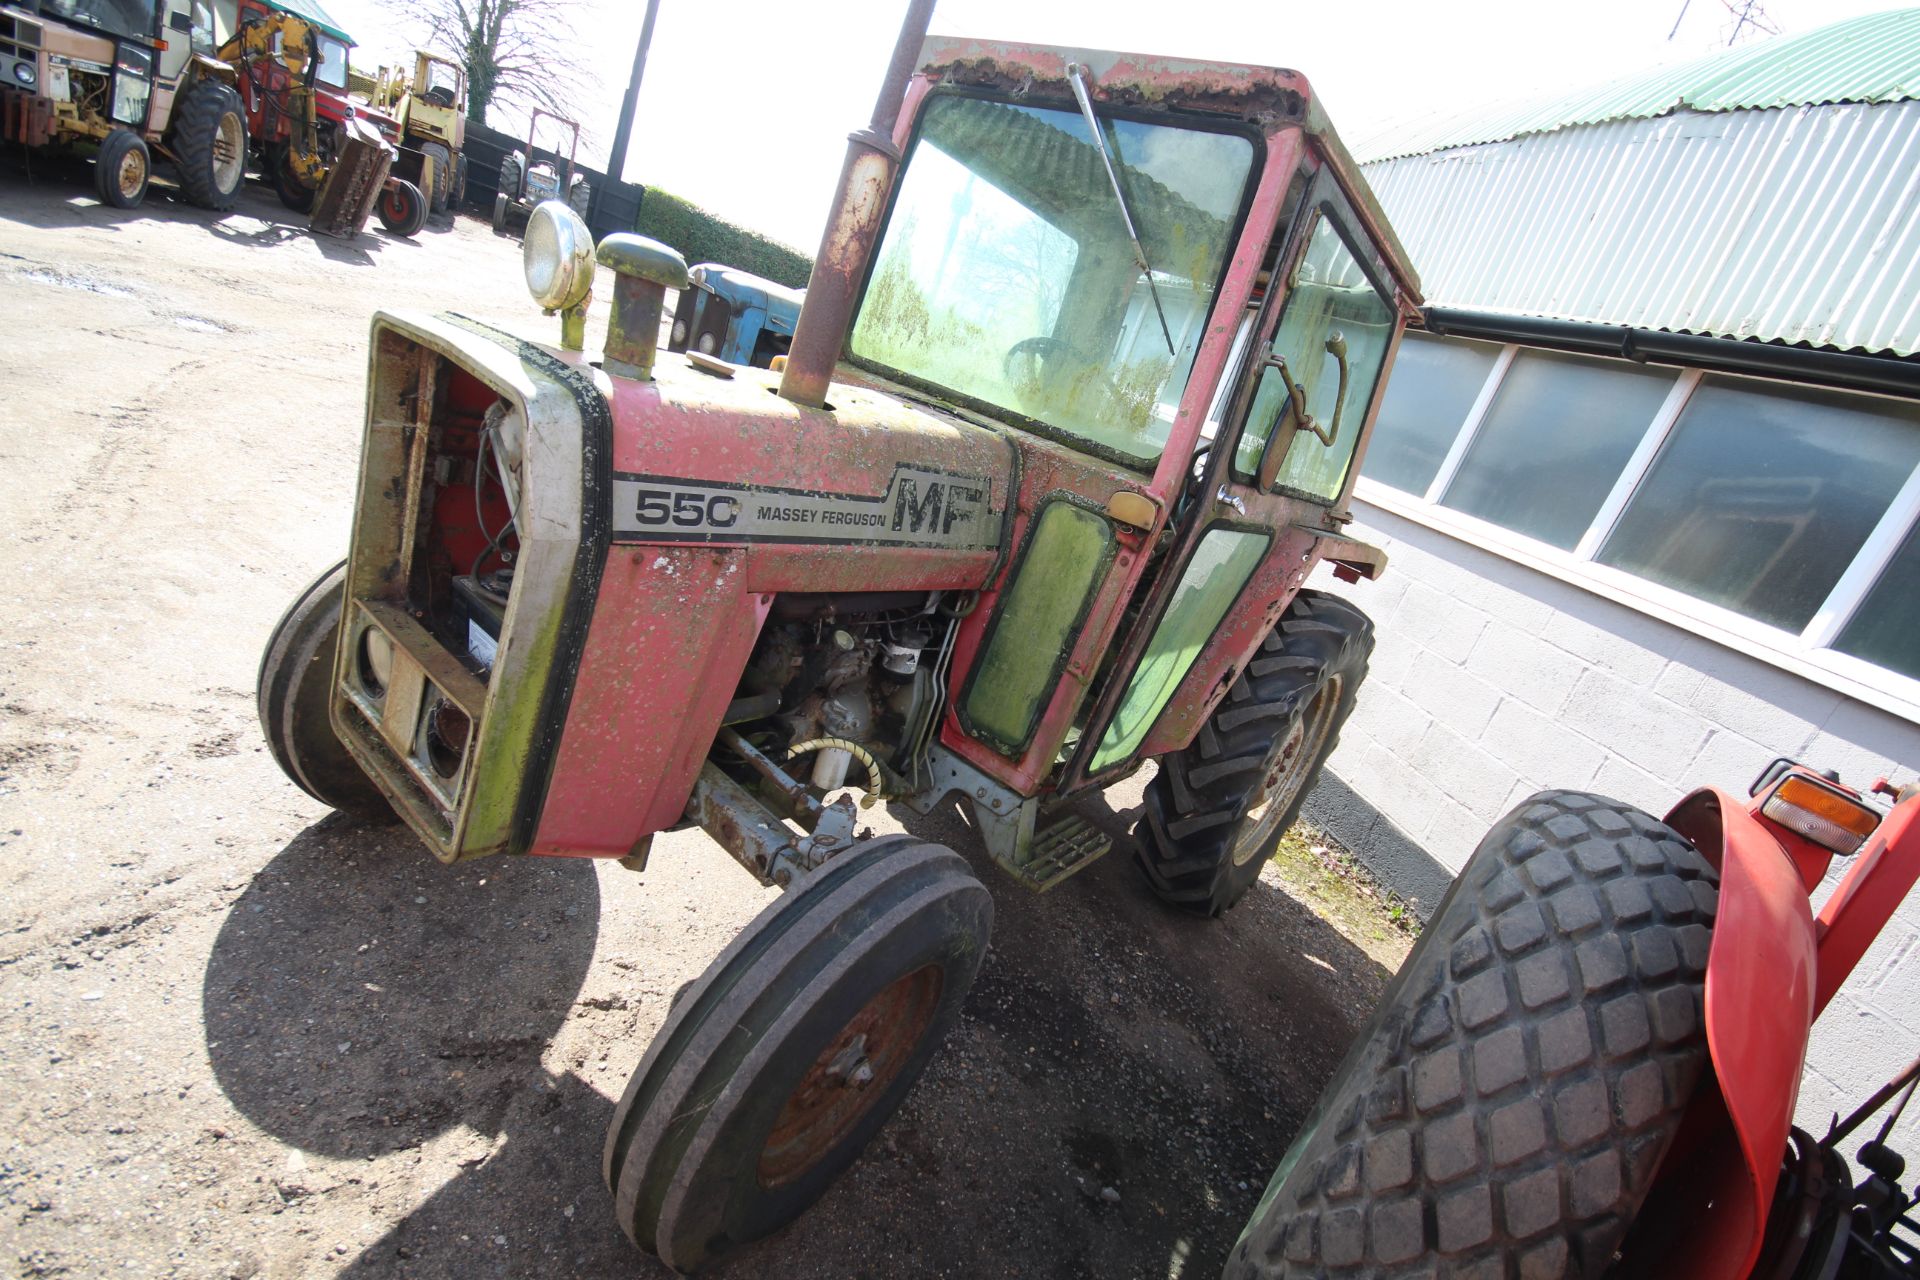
1491, 681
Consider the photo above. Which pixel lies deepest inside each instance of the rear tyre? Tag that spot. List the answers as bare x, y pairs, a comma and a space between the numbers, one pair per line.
1216, 810
402, 209
1505, 1111
442, 185
459, 196
122, 169
210, 144
292, 692
779, 1064
580, 196
513, 167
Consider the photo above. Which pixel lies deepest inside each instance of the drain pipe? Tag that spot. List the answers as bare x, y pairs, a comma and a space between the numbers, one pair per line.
858, 202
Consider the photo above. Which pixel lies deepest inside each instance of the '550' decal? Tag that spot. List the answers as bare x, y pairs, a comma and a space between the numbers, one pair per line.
920, 508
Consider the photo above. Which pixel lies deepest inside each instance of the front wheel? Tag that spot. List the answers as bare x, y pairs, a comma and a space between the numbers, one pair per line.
777, 1066
294, 194
121, 170
402, 209
1506, 1109
293, 691
1217, 809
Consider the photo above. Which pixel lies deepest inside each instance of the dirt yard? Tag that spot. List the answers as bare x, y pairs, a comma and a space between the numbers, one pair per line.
244, 1037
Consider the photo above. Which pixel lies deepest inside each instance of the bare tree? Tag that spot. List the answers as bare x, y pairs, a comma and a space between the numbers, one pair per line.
519, 54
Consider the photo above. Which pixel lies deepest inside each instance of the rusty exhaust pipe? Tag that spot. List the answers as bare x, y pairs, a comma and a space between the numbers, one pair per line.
858, 202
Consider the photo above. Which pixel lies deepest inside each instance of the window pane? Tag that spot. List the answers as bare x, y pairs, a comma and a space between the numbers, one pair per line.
1006, 273
1555, 438
1221, 565
1040, 617
1331, 299
1433, 384
1763, 494
1886, 627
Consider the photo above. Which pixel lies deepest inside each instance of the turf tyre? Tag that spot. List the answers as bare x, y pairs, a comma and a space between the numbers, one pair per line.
1505, 1111
1212, 822
210, 145
689, 1148
292, 692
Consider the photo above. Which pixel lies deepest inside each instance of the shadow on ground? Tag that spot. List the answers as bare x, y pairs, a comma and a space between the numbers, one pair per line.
361, 1000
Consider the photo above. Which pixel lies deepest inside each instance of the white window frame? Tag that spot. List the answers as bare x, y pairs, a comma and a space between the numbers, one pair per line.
1807, 653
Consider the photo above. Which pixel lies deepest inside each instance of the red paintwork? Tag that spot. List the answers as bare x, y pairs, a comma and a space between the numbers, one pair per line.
674, 625
1759, 1007
1772, 970
1881, 876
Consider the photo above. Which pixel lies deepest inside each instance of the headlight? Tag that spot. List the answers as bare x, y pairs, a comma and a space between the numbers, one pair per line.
558, 256
25, 74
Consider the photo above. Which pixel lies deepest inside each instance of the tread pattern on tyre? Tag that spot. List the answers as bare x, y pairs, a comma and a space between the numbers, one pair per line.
196, 124
1200, 793
1505, 1112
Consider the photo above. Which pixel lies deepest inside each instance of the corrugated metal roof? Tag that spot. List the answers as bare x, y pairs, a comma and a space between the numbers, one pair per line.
1873, 58
1797, 224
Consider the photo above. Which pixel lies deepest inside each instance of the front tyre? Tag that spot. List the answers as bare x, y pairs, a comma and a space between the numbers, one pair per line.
402, 209
1505, 1111
777, 1066
121, 170
293, 691
210, 144
1217, 809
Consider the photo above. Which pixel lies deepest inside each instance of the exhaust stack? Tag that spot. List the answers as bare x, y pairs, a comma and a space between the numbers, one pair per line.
865, 180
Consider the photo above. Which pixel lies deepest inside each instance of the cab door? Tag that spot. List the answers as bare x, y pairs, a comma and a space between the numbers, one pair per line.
1275, 485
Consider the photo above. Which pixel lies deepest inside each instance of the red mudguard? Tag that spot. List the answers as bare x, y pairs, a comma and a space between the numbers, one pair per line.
1759, 1010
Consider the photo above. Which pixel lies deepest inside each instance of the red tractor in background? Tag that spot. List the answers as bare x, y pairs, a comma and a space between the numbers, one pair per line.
1088, 357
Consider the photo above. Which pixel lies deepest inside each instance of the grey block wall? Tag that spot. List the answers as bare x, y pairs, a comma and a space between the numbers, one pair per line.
1491, 681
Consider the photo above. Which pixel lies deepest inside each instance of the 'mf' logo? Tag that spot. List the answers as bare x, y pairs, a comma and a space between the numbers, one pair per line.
937, 508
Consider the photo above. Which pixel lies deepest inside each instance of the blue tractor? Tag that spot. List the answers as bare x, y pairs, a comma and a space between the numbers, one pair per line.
734, 315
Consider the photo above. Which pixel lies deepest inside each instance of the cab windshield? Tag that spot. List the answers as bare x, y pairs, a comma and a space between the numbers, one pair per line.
1006, 276
132, 18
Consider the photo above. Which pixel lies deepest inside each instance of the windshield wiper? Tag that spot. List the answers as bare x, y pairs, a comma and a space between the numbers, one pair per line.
1076, 76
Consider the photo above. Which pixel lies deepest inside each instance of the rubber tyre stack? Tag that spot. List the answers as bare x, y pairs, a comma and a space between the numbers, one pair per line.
1506, 1109
1197, 803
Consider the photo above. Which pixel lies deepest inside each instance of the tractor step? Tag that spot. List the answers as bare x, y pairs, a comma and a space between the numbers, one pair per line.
1067, 844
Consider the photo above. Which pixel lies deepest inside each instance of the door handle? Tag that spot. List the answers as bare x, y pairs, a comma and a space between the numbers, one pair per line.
1230, 499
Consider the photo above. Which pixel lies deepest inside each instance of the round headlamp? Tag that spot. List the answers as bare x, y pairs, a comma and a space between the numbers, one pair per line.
24, 73
558, 256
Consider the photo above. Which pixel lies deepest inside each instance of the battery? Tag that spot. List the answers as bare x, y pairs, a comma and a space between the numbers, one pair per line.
479, 614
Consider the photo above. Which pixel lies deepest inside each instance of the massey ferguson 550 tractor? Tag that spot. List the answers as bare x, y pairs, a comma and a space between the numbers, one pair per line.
1086, 364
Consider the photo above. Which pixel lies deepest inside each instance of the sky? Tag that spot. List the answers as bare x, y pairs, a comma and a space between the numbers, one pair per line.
746, 104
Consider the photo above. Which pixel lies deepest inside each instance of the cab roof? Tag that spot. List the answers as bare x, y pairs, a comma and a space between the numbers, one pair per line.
1266, 97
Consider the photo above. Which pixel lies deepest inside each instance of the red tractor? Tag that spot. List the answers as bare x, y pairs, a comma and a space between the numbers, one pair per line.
1589, 1063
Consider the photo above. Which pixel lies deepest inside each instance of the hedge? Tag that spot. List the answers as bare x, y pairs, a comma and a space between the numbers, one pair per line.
702, 237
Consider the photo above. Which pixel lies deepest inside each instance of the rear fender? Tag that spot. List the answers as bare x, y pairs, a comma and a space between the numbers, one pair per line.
1759, 1010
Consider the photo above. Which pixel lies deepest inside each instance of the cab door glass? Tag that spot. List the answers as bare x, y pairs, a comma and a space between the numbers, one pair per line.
1334, 316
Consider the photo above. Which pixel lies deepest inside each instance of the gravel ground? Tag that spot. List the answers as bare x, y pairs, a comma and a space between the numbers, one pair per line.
245, 1037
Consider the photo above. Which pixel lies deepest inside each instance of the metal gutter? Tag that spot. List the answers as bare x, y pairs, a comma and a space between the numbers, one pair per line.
1884, 375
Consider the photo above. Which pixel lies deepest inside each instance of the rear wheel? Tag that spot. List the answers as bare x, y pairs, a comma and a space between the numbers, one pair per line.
442, 184
210, 144
459, 196
121, 170
292, 692
1504, 1112
513, 167
580, 196
294, 194
779, 1064
402, 209
1216, 810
